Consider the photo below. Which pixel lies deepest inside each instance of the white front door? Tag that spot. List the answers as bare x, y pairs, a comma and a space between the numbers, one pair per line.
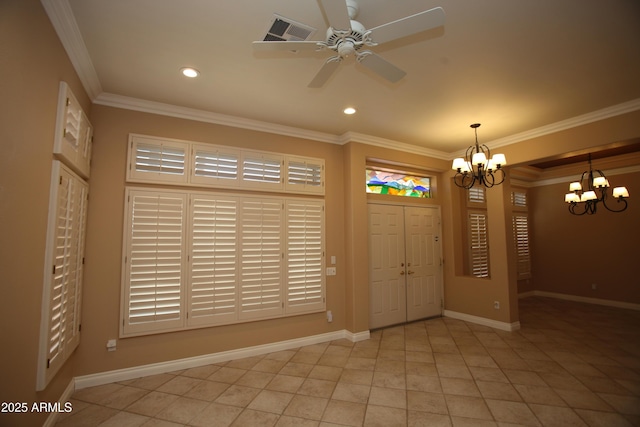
404, 264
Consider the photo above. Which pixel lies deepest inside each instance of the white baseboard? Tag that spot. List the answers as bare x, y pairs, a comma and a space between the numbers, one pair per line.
588, 300
208, 359
503, 326
64, 398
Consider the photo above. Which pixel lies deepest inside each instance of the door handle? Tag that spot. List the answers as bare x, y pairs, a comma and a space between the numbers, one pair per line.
402, 273
410, 272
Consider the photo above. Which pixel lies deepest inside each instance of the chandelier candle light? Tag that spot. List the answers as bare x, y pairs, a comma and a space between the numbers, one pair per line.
479, 166
583, 198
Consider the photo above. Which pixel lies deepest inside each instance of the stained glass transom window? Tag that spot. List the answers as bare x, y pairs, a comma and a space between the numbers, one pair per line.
397, 184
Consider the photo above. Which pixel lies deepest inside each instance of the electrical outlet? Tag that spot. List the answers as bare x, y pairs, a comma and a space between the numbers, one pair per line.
496, 305
329, 316
331, 271
111, 345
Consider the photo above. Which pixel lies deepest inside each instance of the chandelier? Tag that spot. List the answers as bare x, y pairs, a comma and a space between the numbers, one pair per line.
584, 200
478, 166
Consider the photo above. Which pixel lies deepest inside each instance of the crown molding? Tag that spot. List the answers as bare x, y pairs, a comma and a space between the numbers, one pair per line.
594, 116
64, 23
136, 104
396, 145
575, 177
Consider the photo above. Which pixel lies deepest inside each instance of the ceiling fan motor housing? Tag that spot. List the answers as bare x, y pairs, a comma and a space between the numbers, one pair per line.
346, 42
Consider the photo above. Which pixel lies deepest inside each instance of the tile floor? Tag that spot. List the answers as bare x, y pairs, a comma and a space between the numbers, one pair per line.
571, 364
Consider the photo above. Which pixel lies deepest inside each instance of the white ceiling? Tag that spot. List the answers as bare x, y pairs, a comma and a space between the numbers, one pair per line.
516, 66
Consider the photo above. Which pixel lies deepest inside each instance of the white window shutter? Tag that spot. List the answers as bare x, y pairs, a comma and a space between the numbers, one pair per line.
305, 175
479, 244
155, 261
214, 166
262, 170
261, 258
521, 236
305, 255
60, 333
214, 260
152, 160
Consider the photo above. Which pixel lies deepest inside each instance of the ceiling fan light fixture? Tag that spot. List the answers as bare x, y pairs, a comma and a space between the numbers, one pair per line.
190, 72
349, 111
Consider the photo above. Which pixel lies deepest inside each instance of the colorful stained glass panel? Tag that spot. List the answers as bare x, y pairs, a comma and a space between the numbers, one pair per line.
397, 184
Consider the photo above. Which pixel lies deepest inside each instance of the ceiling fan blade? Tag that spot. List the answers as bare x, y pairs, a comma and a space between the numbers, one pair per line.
262, 46
409, 25
381, 66
337, 14
325, 72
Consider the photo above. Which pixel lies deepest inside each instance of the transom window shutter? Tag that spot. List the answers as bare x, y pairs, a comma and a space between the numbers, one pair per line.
305, 175
214, 259
305, 255
262, 170
210, 164
479, 244
261, 258
157, 161
519, 198
476, 195
155, 260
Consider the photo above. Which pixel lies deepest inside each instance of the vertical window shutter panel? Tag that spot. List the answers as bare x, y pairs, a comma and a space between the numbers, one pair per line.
305, 250
156, 258
214, 260
479, 251
261, 257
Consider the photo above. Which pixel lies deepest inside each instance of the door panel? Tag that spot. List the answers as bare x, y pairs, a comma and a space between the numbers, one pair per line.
386, 266
423, 262
404, 264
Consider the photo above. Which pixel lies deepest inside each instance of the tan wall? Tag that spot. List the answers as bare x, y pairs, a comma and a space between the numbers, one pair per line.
102, 287
32, 64
570, 253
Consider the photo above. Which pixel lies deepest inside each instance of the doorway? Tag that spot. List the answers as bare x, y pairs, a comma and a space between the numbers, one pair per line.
405, 264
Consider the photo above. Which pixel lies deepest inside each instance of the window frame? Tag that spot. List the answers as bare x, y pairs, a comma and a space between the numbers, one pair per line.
284, 307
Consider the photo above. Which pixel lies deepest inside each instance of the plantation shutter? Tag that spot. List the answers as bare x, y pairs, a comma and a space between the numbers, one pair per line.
161, 161
521, 236
305, 255
479, 244
305, 175
63, 292
214, 260
262, 171
261, 258
214, 166
155, 260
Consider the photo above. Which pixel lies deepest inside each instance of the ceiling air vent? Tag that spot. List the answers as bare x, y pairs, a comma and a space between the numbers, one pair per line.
285, 29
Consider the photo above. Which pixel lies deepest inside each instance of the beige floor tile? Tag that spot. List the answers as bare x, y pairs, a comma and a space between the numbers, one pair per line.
269, 365
360, 363
426, 402
624, 404
354, 376
583, 399
524, 377
227, 375
125, 419
245, 363
251, 418
287, 421
216, 415
296, 369
271, 401
308, 407
446, 370
91, 415
389, 380
393, 366
207, 390
237, 395
201, 372
255, 379
602, 419
500, 391
330, 373
421, 368
179, 385
459, 386
488, 374
306, 357
344, 413
422, 383
182, 410
556, 416
351, 392
152, 403
317, 388
539, 394
388, 397
285, 383
380, 416
422, 419
512, 412
123, 397
151, 382
468, 407
98, 394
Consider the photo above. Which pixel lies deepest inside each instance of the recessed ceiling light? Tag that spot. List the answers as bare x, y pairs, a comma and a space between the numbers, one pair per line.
190, 72
349, 110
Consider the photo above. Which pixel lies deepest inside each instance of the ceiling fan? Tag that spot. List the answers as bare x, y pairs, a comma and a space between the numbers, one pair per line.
346, 37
